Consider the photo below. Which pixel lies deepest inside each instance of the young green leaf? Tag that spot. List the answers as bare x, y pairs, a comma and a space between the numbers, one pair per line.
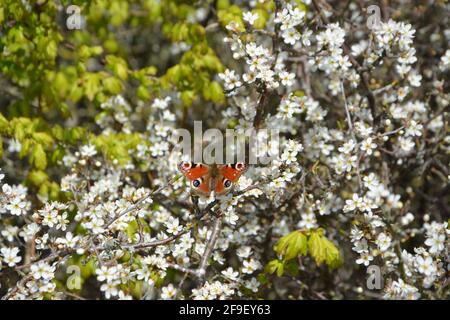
38, 157
292, 245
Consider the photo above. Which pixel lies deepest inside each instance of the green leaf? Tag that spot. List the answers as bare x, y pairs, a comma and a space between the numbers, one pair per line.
262, 278
91, 84
43, 138
292, 245
232, 13
38, 157
187, 98
57, 132
275, 266
142, 93
19, 131
113, 85
263, 16
214, 92
333, 256
222, 4
57, 154
291, 268
37, 177
118, 66
25, 147
43, 190
316, 247
323, 250
4, 124
51, 49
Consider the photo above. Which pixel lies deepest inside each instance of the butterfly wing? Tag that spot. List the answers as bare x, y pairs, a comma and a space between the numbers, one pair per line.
229, 174
199, 176
192, 170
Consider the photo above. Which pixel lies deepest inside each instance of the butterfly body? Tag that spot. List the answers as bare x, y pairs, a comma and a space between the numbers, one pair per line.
205, 179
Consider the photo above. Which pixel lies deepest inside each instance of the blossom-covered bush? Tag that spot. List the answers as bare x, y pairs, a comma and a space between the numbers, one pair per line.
356, 203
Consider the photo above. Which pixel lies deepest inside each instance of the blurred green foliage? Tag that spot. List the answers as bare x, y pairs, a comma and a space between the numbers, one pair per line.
53, 80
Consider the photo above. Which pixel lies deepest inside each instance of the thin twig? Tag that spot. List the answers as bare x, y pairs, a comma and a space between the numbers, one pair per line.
210, 247
145, 245
347, 113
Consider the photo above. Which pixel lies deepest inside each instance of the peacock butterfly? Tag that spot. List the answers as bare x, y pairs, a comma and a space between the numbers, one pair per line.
207, 178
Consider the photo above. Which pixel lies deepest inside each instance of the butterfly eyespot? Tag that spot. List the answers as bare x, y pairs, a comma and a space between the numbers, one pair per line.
186, 165
240, 166
227, 183
196, 183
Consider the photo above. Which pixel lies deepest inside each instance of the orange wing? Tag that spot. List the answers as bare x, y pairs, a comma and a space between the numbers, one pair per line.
229, 174
233, 171
192, 170
199, 176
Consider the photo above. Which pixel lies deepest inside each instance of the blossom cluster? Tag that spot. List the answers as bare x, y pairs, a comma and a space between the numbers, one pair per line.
363, 156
